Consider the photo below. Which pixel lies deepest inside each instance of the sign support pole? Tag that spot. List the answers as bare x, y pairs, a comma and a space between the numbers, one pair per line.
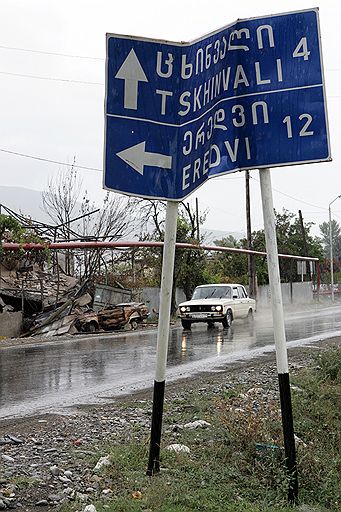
163, 336
279, 332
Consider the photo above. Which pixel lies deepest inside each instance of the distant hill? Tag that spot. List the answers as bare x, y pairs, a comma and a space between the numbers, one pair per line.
28, 202
24, 201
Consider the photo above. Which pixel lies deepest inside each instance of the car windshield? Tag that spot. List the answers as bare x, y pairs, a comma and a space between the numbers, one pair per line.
212, 292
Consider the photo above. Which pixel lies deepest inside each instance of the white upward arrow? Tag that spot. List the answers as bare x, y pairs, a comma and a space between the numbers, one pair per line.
132, 73
137, 157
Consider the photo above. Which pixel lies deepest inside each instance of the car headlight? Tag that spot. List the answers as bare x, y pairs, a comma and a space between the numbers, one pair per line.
219, 308
213, 308
183, 309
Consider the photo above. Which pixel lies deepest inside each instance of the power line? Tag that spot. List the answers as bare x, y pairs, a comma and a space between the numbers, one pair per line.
294, 198
69, 55
29, 50
50, 78
41, 159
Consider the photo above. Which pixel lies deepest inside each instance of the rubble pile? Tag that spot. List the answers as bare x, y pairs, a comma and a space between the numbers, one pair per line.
54, 304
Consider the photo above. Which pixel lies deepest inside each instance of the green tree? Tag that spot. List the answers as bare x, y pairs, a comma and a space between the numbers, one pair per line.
336, 238
232, 267
12, 231
228, 267
289, 241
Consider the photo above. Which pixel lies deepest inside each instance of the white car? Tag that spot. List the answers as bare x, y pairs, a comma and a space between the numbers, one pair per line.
216, 303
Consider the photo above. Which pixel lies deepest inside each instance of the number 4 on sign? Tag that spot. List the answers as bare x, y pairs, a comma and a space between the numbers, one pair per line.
301, 49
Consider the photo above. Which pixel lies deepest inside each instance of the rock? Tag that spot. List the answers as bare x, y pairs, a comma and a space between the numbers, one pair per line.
197, 424
55, 471
90, 508
69, 492
7, 458
42, 503
64, 479
178, 448
68, 473
298, 440
55, 498
50, 450
103, 461
83, 498
2, 505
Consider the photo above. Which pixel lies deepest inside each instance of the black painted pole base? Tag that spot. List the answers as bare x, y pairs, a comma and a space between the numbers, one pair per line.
155, 434
288, 434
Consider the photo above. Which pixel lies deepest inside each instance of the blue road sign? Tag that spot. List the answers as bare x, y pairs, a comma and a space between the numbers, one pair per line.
249, 95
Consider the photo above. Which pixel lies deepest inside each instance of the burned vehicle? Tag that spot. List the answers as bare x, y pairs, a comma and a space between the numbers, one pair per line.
213, 303
116, 317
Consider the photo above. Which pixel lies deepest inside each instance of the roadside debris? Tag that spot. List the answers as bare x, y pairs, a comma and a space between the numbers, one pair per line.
56, 304
72, 319
103, 461
178, 448
197, 424
9, 439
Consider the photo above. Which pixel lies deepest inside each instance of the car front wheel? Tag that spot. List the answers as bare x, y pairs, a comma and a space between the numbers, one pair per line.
227, 321
133, 325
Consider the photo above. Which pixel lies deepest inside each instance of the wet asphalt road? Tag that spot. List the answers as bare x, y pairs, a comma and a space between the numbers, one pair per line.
50, 377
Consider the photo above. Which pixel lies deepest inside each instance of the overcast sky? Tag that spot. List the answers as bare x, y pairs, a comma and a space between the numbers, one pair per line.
56, 117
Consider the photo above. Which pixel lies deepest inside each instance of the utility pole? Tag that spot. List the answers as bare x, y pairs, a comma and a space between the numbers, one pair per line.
305, 247
197, 218
250, 257
331, 247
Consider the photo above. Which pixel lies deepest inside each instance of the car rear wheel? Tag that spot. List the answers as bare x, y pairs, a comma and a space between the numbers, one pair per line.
186, 324
250, 314
227, 322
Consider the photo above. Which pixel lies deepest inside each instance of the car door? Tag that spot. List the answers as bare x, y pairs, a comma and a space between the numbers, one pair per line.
237, 303
244, 300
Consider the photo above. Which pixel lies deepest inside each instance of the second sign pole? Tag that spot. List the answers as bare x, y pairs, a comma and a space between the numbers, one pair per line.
279, 332
163, 336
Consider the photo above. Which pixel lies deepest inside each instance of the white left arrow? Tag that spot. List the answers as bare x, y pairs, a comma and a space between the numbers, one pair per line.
137, 157
132, 73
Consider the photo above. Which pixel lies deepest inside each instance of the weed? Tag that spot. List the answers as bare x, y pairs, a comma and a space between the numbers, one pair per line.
329, 363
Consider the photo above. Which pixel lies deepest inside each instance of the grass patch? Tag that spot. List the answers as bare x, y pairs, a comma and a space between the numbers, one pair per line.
237, 464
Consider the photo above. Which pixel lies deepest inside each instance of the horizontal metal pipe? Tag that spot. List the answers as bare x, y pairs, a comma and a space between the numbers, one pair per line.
8, 246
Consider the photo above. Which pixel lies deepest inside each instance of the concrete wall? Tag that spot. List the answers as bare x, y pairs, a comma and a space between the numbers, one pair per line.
107, 295
295, 293
292, 293
10, 324
151, 297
